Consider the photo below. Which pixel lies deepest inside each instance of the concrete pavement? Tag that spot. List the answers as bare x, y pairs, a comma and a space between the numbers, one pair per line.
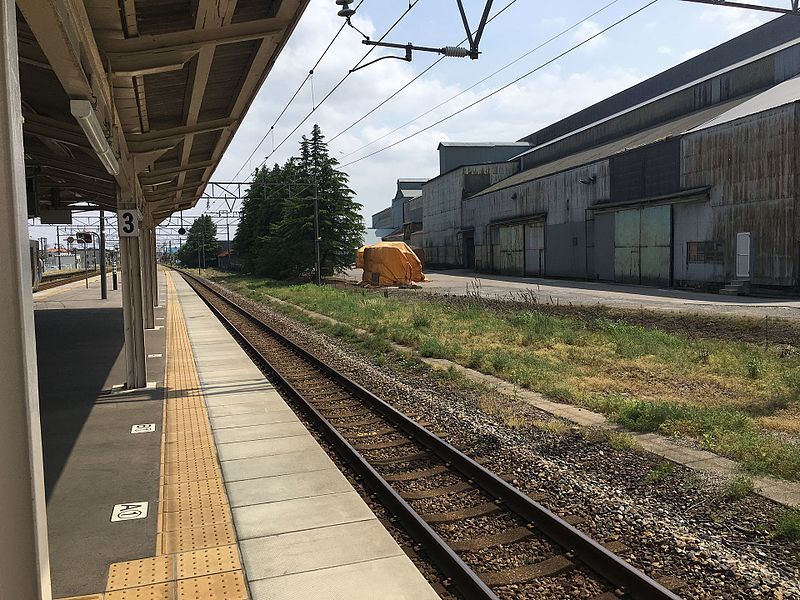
460, 282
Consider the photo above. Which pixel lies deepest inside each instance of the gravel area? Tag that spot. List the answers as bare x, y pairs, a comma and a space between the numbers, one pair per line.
675, 524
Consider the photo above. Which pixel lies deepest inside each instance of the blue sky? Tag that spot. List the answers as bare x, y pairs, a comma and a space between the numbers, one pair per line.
663, 35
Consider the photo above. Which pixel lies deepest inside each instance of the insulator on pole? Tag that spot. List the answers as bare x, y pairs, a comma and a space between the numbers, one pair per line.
455, 51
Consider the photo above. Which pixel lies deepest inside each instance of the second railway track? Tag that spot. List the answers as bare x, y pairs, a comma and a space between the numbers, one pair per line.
487, 537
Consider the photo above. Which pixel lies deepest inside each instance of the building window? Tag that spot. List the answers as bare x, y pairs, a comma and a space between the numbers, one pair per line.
704, 252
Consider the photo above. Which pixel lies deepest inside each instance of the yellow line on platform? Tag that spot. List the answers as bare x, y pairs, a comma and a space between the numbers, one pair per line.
197, 557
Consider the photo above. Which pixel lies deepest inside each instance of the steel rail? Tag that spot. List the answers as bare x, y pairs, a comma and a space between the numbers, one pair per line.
55, 282
598, 558
462, 576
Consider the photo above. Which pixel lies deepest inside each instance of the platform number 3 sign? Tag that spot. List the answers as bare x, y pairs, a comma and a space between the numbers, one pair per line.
128, 222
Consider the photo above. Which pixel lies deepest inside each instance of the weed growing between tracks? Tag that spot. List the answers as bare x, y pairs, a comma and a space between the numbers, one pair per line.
788, 525
726, 395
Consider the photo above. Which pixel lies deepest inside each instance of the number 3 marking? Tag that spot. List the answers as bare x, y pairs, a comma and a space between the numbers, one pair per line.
128, 224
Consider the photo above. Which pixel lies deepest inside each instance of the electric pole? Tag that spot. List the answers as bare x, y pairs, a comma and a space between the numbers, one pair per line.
317, 261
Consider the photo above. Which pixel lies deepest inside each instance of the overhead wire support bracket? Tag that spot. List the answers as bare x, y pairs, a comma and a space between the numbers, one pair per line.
450, 51
406, 58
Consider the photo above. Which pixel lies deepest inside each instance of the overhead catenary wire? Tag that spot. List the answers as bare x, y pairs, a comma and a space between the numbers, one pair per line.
292, 99
418, 76
508, 85
550, 40
339, 84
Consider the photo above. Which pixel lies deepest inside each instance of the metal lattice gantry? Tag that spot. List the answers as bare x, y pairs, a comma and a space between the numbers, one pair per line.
231, 192
793, 10
228, 192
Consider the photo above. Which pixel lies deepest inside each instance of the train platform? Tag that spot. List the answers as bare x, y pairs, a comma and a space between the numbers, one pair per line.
92, 461
241, 500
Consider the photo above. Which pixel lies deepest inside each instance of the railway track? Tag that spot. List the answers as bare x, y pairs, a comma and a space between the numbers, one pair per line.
487, 537
46, 285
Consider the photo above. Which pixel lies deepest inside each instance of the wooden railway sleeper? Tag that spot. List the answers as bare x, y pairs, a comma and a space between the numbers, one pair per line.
527, 573
509, 536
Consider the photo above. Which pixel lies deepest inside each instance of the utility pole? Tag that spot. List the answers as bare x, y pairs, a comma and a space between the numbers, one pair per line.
199, 264
317, 261
228, 235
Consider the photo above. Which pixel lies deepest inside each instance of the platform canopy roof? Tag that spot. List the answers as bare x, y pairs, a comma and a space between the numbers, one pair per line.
168, 82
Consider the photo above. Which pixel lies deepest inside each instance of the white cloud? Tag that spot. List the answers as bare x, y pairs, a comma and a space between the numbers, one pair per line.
588, 29
666, 50
734, 21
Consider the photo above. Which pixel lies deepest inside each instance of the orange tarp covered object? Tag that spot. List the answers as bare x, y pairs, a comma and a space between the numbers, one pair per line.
389, 263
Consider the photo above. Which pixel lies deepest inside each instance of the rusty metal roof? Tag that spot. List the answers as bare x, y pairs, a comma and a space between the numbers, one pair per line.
638, 139
170, 81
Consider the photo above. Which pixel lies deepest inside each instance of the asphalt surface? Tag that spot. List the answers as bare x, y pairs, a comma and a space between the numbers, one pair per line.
460, 282
91, 459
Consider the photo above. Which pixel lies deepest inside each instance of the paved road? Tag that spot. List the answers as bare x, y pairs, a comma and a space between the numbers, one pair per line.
461, 282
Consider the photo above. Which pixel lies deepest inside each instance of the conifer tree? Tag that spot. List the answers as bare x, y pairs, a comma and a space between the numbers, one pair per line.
261, 210
341, 226
276, 234
201, 243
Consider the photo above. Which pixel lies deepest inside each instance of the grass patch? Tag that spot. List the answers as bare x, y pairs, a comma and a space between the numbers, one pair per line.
788, 525
420, 319
553, 427
738, 487
717, 392
515, 420
754, 368
660, 472
725, 431
621, 440
433, 348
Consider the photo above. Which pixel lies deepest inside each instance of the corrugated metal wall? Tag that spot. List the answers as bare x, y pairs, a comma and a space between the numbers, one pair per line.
693, 223
752, 164
654, 170
562, 197
443, 218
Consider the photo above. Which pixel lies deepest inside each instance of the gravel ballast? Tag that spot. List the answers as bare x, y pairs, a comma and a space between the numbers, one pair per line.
674, 525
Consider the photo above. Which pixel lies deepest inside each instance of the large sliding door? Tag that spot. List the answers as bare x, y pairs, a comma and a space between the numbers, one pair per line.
508, 251
643, 245
627, 239
534, 248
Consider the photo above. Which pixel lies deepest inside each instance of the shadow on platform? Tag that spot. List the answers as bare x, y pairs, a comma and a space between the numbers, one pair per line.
76, 352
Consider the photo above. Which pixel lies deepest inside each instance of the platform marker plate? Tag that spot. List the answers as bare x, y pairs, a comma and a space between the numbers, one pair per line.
155, 355
143, 428
128, 511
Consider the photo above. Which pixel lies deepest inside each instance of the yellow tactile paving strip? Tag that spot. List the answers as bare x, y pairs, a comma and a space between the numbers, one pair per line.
197, 557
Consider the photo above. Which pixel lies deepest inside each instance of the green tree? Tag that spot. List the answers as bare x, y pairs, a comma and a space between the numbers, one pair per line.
341, 226
261, 210
201, 241
276, 234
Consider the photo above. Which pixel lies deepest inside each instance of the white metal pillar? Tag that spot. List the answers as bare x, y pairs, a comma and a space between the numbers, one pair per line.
147, 277
24, 560
135, 359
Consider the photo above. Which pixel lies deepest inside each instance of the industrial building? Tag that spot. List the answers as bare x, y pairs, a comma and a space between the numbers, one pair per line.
686, 179
397, 222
